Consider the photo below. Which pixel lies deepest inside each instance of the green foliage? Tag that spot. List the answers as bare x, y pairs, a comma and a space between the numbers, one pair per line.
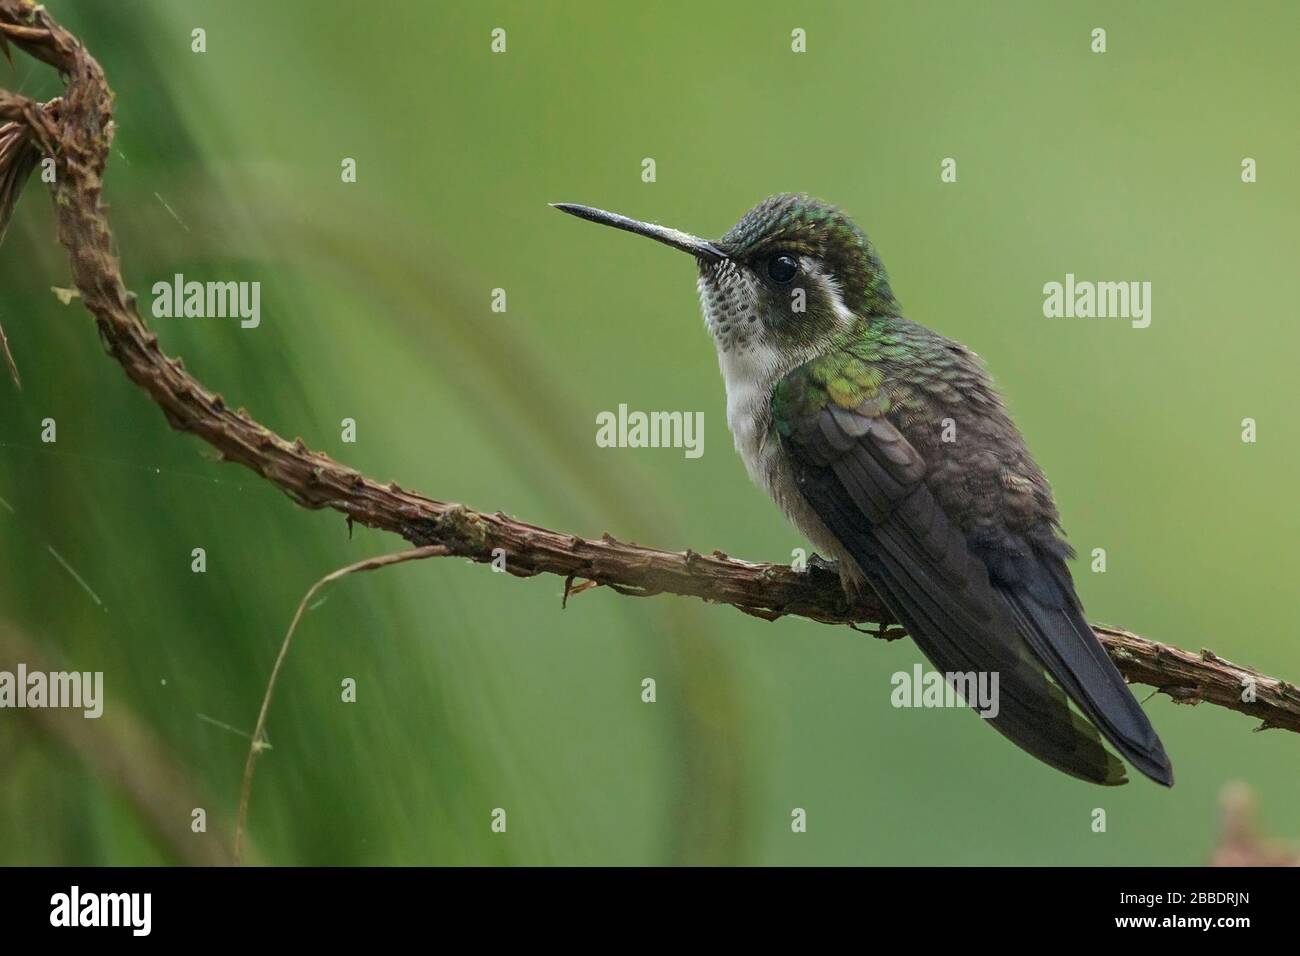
475, 691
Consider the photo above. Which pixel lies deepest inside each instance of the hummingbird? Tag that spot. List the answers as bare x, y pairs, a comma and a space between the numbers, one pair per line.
888, 447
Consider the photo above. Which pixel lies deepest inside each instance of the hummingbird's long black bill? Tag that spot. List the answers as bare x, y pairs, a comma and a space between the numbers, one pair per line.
700, 248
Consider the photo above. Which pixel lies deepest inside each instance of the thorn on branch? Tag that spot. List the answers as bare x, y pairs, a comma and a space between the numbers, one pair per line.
883, 632
1180, 694
570, 588
629, 590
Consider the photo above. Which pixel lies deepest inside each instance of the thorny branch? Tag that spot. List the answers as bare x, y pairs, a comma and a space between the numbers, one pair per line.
77, 133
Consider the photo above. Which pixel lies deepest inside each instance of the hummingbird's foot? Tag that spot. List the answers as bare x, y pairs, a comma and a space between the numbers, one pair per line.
817, 562
855, 585
851, 580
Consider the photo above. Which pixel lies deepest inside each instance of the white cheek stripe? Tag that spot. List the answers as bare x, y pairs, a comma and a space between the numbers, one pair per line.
830, 288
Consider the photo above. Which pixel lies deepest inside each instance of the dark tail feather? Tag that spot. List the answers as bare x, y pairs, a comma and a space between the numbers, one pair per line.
1054, 626
1034, 713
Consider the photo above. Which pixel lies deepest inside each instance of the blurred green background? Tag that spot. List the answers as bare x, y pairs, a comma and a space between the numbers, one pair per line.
475, 690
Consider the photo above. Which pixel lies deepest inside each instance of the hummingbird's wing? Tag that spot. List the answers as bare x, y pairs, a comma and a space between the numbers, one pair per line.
865, 482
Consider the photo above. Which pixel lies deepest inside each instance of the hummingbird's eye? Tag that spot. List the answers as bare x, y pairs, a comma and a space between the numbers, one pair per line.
782, 268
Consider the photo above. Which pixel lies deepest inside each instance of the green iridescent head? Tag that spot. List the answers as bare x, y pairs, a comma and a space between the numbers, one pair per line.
788, 277
801, 226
